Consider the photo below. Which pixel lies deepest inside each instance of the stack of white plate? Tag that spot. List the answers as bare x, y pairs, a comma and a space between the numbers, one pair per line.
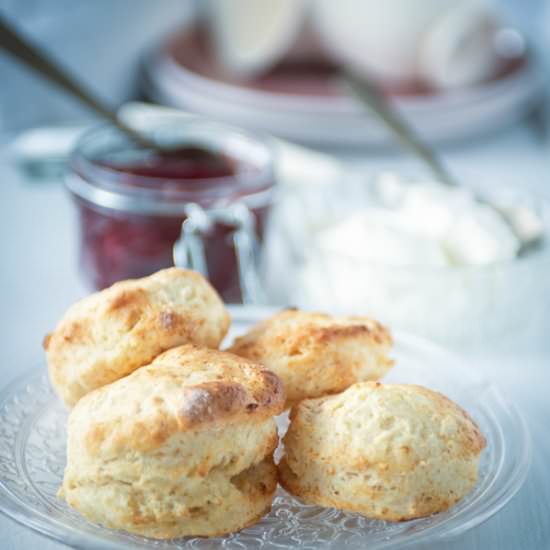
315, 108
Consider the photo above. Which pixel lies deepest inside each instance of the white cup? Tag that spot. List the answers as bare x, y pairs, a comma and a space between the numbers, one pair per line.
443, 42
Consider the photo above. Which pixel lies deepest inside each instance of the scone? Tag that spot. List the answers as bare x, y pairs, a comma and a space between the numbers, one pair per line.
181, 447
387, 451
316, 354
113, 332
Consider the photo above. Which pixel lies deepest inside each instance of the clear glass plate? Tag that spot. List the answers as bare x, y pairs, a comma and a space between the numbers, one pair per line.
32, 458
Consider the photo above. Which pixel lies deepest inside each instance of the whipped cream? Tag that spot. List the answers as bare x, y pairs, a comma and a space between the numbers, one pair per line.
404, 258
423, 224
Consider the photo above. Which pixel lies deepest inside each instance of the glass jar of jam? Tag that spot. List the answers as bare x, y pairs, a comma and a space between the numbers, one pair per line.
135, 203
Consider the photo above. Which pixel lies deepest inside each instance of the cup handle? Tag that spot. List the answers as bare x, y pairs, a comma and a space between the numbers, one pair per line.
189, 250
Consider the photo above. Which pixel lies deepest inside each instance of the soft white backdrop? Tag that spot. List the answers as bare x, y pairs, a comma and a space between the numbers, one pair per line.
38, 253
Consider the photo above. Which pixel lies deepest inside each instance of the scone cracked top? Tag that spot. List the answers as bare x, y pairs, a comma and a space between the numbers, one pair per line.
181, 447
316, 354
387, 451
111, 333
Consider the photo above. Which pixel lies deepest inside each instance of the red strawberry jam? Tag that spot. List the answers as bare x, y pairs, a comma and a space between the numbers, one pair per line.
131, 200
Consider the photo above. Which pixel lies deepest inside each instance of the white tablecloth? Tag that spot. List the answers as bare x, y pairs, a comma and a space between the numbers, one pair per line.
39, 279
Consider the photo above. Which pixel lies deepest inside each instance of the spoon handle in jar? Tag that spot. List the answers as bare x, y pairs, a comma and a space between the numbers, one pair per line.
21, 49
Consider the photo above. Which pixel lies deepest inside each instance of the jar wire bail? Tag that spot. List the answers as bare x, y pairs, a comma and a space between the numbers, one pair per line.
189, 250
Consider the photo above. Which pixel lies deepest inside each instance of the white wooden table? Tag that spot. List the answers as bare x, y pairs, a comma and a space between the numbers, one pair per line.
39, 279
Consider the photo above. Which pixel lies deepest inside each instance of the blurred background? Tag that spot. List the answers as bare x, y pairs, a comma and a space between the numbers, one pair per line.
289, 186
107, 43
304, 155
101, 42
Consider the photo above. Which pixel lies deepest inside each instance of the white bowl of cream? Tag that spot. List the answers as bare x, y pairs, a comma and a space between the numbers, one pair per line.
418, 256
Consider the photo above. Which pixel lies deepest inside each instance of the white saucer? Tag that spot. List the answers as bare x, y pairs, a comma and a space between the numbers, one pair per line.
313, 108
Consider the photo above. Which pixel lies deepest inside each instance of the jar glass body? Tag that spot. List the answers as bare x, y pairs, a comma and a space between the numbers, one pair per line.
131, 204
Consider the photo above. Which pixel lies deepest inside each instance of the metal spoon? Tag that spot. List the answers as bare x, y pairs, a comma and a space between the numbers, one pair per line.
369, 95
23, 50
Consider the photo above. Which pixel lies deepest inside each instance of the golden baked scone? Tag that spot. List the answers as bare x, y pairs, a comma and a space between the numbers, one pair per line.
113, 332
181, 447
387, 451
316, 354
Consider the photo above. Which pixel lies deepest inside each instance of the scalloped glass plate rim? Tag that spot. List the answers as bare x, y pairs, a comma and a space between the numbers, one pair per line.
466, 518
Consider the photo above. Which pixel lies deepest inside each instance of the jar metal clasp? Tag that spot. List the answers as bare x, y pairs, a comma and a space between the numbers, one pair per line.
189, 250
